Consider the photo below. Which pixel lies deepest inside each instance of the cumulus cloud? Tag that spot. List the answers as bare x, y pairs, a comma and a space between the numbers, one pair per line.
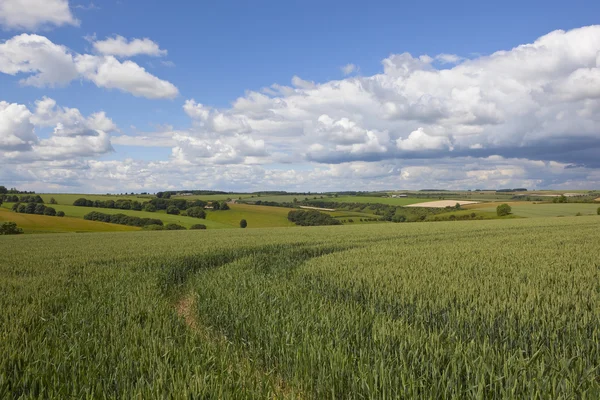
69, 121
527, 116
34, 14
349, 69
16, 129
512, 103
48, 64
73, 136
121, 47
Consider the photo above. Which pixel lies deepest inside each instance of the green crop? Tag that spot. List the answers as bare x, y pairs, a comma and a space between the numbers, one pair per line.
478, 309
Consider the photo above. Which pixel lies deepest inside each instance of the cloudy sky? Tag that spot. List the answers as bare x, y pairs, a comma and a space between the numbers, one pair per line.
141, 95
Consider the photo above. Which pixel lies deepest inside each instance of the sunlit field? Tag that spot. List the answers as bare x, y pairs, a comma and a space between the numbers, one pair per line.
475, 309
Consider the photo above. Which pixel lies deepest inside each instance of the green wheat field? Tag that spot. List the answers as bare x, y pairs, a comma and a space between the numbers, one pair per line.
478, 309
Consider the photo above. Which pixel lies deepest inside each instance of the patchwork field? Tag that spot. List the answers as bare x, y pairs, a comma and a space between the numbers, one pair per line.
256, 216
442, 203
530, 210
430, 310
43, 224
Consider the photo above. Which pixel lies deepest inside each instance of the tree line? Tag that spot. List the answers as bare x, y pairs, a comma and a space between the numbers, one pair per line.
171, 206
311, 218
122, 219
36, 208
13, 198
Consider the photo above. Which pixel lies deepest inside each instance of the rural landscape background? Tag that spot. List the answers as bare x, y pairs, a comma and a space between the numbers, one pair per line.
299, 200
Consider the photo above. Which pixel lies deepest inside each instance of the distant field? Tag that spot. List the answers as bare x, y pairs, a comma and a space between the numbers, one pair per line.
79, 212
402, 201
211, 197
68, 199
256, 216
442, 203
530, 210
43, 224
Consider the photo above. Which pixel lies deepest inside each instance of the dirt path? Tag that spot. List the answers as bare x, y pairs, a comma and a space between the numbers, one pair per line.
186, 309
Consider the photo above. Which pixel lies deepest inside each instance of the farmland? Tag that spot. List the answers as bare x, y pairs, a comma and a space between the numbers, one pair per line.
531, 210
426, 310
44, 224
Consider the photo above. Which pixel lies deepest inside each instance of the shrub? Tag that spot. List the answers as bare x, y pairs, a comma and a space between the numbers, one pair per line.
174, 227
153, 227
598, 212
311, 218
149, 207
53, 200
10, 228
198, 226
60, 213
196, 212
173, 210
50, 211
503, 210
244, 223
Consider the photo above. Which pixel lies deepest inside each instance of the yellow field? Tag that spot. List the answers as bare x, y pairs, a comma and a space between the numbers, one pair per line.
256, 216
31, 223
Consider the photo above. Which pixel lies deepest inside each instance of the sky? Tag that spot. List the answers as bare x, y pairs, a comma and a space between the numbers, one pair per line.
117, 96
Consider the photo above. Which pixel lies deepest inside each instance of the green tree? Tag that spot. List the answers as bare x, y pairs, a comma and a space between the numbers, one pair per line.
149, 207
198, 226
60, 213
10, 228
598, 211
503, 210
53, 200
243, 223
49, 211
173, 210
3, 190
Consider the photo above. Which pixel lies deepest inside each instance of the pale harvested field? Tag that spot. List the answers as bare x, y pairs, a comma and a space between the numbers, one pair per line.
442, 203
598, 199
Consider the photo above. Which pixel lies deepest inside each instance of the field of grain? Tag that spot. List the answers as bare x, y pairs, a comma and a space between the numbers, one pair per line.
442, 203
429, 310
530, 210
31, 223
256, 216
79, 212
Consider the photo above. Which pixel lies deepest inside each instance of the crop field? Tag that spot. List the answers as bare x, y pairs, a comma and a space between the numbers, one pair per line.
402, 201
530, 210
213, 197
478, 309
256, 216
79, 212
68, 199
31, 223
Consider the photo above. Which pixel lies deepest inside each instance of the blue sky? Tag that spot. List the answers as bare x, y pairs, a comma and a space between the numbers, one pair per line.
253, 95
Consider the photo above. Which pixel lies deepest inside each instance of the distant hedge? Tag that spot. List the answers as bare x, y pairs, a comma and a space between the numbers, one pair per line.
122, 219
34, 208
312, 218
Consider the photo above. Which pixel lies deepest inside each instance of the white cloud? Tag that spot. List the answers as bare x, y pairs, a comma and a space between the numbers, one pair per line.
538, 100
16, 129
69, 121
121, 47
48, 64
349, 69
34, 14
419, 140
110, 73
73, 135
448, 58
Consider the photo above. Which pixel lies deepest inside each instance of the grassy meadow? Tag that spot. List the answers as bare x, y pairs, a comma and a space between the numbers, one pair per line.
475, 309
540, 210
31, 223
